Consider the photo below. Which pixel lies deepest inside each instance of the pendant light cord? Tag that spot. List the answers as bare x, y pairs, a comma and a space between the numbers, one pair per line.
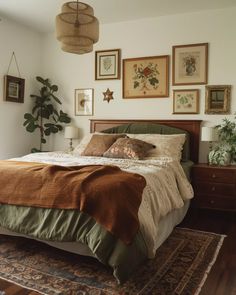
77, 14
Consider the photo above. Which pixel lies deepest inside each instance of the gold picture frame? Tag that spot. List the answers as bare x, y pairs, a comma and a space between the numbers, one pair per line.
14, 89
217, 99
146, 77
190, 64
107, 64
84, 102
186, 101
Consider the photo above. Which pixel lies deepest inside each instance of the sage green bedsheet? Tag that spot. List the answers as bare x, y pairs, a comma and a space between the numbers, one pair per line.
72, 225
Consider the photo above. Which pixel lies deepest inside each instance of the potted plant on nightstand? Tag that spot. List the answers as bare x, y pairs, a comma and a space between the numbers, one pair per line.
45, 116
224, 152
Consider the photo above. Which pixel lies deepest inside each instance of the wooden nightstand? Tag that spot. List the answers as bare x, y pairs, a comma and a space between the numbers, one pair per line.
214, 187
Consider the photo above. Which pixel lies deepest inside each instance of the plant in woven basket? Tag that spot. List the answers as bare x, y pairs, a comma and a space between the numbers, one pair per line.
45, 115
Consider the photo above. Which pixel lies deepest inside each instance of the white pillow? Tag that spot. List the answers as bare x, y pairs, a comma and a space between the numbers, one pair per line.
167, 145
82, 145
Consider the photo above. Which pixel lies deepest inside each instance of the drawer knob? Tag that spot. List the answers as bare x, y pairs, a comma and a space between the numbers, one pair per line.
212, 201
213, 188
213, 176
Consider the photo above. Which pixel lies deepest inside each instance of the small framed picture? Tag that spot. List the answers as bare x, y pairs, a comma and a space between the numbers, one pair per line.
146, 77
84, 102
190, 64
14, 89
218, 99
186, 101
107, 64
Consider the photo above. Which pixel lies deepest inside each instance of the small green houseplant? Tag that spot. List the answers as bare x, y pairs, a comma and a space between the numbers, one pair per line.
227, 142
45, 115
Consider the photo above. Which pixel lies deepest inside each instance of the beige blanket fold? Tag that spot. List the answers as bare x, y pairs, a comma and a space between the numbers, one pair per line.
108, 194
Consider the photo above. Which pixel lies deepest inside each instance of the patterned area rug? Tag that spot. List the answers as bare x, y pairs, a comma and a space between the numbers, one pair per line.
180, 267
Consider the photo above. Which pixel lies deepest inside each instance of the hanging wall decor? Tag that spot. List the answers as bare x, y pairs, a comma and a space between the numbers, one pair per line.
146, 77
190, 64
107, 64
14, 87
84, 102
108, 95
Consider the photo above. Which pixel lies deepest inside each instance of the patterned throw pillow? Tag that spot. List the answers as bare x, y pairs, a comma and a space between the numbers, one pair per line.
129, 148
99, 144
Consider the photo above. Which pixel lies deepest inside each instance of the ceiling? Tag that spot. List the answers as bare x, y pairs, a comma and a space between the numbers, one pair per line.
40, 14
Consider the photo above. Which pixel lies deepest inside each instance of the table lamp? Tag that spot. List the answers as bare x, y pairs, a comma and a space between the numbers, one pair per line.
209, 134
71, 132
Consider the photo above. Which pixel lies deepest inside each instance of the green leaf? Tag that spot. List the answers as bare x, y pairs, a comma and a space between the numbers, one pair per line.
43, 140
153, 81
136, 84
31, 127
34, 150
56, 98
54, 88
60, 128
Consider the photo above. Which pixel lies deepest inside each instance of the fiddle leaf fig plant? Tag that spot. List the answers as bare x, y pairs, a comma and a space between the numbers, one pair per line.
45, 115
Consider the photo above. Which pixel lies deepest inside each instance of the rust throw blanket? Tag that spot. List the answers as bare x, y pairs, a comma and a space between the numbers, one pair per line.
111, 196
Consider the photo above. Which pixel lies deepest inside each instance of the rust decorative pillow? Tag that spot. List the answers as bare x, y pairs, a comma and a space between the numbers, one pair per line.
99, 144
129, 148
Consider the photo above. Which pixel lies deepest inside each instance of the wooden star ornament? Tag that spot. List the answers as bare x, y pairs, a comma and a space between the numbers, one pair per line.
108, 95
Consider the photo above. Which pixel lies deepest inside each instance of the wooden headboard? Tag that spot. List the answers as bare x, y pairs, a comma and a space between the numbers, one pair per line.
192, 126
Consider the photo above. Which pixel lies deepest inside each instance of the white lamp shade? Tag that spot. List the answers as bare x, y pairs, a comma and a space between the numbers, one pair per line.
71, 132
209, 134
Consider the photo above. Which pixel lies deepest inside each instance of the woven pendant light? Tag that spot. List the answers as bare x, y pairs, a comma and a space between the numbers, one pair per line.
77, 27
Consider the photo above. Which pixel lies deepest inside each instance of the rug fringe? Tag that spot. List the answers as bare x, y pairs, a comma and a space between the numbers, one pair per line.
220, 243
27, 288
203, 231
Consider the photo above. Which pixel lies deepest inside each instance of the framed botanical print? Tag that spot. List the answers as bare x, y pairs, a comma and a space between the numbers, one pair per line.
218, 99
190, 64
146, 77
186, 101
107, 64
84, 102
14, 89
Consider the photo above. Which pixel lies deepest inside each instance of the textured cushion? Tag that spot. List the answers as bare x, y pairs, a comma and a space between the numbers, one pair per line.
153, 128
166, 145
99, 144
129, 148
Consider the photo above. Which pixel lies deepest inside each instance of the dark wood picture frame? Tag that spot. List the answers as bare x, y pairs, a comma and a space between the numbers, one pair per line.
190, 64
14, 89
107, 64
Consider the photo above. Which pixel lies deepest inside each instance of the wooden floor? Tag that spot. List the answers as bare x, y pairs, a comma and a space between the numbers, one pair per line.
222, 278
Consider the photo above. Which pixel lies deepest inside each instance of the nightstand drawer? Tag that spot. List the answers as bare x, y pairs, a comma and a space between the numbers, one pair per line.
214, 175
211, 188
219, 203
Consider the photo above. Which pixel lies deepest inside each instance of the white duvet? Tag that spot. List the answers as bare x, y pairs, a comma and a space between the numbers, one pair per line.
167, 186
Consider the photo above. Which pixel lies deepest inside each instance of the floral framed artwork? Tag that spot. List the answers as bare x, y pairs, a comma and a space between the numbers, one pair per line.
218, 99
190, 64
146, 77
84, 102
107, 64
186, 101
14, 89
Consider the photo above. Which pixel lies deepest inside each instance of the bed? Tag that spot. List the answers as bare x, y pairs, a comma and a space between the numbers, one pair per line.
77, 232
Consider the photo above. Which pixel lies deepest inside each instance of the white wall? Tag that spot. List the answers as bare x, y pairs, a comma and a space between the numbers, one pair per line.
146, 37
14, 140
